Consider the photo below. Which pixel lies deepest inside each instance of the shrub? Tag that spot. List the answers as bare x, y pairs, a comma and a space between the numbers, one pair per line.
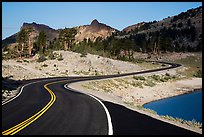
139, 60
149, 83
44, 65
137, 84
139, 78
60, 57
26, 61
83, 54
19, 61
198, 74
156, 77
164, 79
96, 73
51, 56
41, 58
167, 74
173, 76
122, 58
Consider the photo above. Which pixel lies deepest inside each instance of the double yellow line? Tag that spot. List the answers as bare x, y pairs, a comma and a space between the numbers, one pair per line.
22, 125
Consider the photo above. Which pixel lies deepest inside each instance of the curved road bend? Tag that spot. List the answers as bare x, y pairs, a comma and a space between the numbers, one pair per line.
46, 107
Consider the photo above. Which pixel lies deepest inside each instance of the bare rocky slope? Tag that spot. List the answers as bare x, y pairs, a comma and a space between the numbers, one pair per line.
93, 31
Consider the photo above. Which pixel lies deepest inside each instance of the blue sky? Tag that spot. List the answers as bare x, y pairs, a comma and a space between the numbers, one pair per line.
69, 14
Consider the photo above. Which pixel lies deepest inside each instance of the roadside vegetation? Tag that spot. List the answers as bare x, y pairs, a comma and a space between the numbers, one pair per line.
191, 123
152, 80
193, 65
135, 81
149, 65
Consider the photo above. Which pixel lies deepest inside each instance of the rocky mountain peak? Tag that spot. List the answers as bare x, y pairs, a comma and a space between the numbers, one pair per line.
94, 30
50, 32
95, 22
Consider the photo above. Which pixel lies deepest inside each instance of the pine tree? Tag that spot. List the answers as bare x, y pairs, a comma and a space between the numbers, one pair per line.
22, 38
67, 36
41, 42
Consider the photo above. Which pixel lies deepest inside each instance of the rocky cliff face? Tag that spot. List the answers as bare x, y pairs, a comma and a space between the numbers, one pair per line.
36, 28
94, 30
50, 32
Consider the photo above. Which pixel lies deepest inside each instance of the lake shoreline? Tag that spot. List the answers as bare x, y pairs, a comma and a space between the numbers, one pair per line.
174, 106
188, 92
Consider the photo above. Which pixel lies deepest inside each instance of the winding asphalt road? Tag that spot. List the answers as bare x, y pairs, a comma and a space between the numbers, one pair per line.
46, 107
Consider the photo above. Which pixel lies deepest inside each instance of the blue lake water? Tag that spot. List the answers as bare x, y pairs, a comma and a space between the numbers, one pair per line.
187, 106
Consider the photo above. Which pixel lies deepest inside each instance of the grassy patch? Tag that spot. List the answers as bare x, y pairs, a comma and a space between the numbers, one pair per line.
139, 78
152, 80
139, 60
149, 65
19, 61
129, 103
87, 86
191, 61
155, 77
146, 109
162, 78
198, 74
193, 65
192, 123
188, 72
26, 61
137, 84
44, 65
149, 83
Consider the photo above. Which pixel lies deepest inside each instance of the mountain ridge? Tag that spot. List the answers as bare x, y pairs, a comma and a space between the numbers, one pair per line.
180, 22
92, 31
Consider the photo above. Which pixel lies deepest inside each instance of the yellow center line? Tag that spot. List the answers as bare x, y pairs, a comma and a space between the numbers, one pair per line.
22, 125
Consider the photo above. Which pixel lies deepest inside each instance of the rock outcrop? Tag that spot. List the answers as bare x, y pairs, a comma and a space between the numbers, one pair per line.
93, 31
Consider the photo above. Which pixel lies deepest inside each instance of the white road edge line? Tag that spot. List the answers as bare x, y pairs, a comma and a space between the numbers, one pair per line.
18, 93
110, 127
3, 103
